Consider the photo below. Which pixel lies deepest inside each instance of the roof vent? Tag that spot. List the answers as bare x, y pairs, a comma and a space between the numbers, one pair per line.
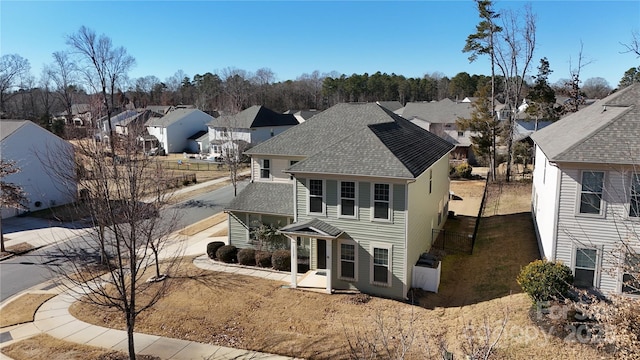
604, 108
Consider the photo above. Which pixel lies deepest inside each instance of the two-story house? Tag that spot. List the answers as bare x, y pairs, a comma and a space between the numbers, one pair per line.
586, 191
248, 127
175, 131
357, 189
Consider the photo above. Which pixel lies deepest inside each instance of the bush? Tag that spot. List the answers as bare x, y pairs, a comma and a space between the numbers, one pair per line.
227, 253
213, 247
464, 170
544, 280
281, 260
263, 259
247, 257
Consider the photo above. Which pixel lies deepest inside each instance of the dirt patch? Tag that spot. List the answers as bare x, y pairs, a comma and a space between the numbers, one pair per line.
466, 197
22, 309
19, 249
45, 347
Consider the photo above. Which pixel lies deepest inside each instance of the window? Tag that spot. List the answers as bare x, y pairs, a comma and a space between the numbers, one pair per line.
460, 133
253, 221
630, 274
591, 192
381, 200
348, 198
316, 197
430, 180
634, 199
265, 170
585, 267
292, 162
348, 259
381, 265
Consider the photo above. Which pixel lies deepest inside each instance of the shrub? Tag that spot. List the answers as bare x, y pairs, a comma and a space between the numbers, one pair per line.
544, 280
263, 259
464, 170
247, 257
212, 247
227, 253
281, 260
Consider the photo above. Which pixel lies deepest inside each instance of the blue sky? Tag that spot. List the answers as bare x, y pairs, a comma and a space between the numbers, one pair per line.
409, 38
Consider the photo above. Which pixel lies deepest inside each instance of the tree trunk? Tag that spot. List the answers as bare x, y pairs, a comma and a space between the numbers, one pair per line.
130, 333
1, 235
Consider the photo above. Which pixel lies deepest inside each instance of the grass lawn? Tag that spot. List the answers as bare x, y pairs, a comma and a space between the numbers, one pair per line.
22, 309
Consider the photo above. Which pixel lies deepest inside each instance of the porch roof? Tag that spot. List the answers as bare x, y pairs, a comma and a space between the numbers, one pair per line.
313, 228
264, 198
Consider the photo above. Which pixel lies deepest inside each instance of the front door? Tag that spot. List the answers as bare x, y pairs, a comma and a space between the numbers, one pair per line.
321, 245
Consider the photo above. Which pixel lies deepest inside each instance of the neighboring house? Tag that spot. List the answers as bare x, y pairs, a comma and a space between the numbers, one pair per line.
390, 105
80, 115
38, 154
250, 126
440, 118
586, 190
303, 115
174, 129
358, 191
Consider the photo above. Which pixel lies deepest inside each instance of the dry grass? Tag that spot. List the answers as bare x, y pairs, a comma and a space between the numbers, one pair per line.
20, 248
222, 232
204, 224
22, 309
259, 314
45, 347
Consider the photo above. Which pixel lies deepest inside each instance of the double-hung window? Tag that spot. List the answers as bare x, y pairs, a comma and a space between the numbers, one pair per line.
348, 199
591, 192
584, 271
265, 169
348, 260
381, 201
381, 264
316, 196
634, 199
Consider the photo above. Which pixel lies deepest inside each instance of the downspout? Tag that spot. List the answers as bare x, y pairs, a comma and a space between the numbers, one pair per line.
554, 243
406, 285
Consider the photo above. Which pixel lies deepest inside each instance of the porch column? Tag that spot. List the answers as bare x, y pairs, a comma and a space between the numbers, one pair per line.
329, 264
294, 262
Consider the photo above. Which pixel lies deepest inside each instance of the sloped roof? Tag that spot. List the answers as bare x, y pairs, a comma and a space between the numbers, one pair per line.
443, 112
525, 128
605, 132
265, 198
358, 139
254, 117
313, 228
8, 127
174, 116
390, 105
198, 135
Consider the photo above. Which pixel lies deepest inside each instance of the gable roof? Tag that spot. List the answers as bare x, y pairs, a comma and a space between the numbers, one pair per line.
254, 117
314, 228
604, 132
175, 116
358, 139
444, 111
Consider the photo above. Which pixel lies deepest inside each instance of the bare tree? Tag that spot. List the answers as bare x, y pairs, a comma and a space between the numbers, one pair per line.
105, 66
634, 45
514, 52
233, 140
596, 88
12, 195
13, 68
125, 197
64, 73
573, 85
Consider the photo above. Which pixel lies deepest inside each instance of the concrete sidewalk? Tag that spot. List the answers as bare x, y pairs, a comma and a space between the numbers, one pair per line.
53, 316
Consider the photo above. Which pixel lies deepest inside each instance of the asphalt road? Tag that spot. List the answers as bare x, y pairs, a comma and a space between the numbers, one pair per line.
23, 272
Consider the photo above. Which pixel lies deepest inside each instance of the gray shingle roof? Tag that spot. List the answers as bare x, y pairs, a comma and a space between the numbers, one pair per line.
174, 116
254, 117
265, 198
443, 112
358, 139
8, 127
313, 227
605, 132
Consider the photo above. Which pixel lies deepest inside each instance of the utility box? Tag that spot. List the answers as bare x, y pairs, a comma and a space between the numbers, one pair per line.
426, 273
